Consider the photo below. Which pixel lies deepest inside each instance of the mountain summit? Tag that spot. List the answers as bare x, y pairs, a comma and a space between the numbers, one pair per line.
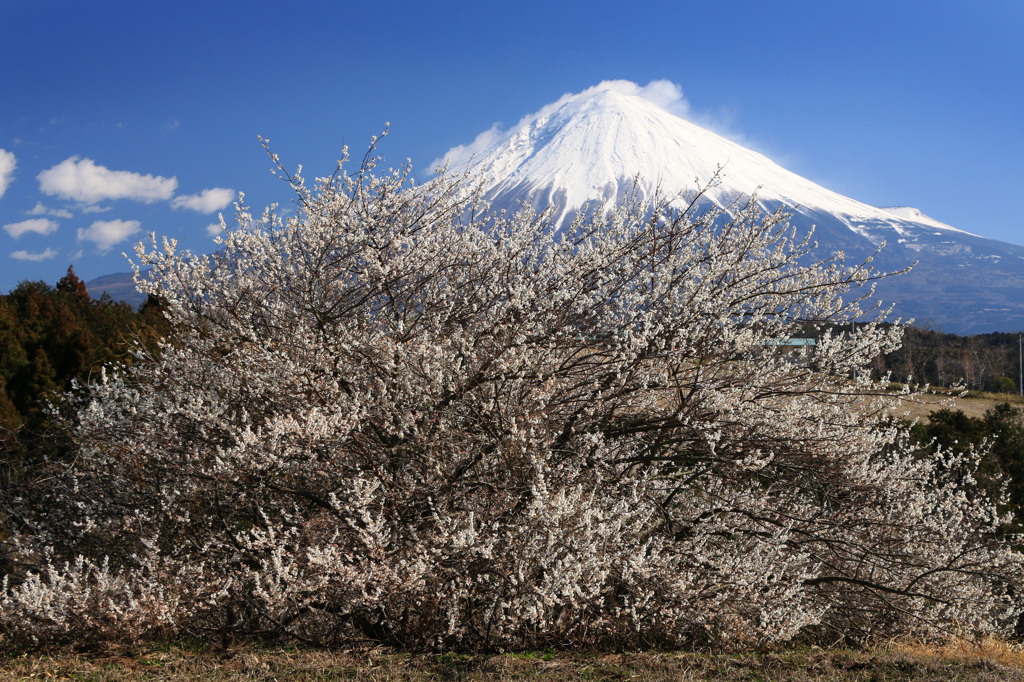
591, 147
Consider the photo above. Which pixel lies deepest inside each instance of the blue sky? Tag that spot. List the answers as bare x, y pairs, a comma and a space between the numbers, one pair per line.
891, 103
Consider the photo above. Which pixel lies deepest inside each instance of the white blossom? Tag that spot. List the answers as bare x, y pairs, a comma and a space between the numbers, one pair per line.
398, 416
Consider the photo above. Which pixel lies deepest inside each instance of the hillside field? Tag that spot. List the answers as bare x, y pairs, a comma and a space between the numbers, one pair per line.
974, 404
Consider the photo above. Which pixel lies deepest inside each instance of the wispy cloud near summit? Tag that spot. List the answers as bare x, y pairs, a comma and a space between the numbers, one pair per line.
664, 93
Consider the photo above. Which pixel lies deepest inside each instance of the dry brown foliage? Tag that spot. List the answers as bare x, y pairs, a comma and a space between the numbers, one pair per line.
895, 660
961, 650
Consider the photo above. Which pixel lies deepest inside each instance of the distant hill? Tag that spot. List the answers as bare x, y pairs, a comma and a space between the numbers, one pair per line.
119, 286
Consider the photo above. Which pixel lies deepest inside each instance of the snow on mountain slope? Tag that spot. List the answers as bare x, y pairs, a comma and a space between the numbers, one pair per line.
588, 148
915, 214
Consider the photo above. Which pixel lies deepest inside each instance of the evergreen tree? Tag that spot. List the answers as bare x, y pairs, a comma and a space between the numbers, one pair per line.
71, 285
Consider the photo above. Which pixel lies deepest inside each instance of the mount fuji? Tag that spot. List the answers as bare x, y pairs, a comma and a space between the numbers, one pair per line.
595, 147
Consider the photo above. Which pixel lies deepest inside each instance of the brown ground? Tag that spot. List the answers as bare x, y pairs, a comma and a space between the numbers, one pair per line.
905, 661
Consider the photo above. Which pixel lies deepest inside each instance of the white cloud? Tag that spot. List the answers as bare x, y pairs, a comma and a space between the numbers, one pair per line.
83, 180
207, 201
37, 225
42, 255
95, 209
214, 229
55, 212
461, 154
664, 93
7, 165
105, 233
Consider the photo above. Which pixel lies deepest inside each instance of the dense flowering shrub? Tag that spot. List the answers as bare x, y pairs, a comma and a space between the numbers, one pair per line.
396, 416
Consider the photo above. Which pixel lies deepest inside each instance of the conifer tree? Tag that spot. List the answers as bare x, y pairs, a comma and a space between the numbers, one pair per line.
71, 285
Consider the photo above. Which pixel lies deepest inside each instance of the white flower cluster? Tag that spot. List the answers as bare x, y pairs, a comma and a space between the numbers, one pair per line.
396, 416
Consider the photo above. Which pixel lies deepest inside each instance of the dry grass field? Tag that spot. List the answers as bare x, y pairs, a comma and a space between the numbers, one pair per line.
890, 661
974, 404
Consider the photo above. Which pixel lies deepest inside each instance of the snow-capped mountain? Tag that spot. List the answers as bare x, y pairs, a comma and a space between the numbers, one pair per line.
590, 148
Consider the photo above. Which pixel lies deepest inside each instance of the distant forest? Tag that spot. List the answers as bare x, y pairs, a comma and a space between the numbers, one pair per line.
984, 362
52, 335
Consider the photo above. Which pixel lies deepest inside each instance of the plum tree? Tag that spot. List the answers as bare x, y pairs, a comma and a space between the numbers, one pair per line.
399, 416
